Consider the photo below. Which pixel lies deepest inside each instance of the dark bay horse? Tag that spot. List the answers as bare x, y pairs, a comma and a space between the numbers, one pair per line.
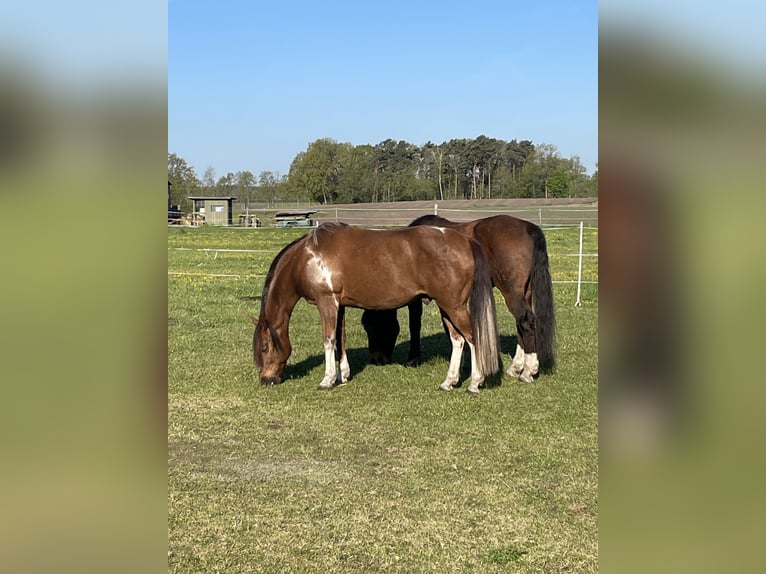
336, 265
518, 259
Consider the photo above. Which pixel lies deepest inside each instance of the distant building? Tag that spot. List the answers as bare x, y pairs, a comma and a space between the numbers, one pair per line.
215, 210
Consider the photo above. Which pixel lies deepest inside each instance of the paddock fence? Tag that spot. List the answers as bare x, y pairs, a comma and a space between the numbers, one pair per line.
401, 216
556, 221
401, 213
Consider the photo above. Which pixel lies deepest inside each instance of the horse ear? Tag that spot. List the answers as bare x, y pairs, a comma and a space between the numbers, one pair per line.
254, 320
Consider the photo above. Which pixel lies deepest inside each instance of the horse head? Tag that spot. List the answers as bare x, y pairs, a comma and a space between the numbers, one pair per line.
270, 351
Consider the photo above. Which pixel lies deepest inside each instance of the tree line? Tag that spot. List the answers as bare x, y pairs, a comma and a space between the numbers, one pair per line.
331, 172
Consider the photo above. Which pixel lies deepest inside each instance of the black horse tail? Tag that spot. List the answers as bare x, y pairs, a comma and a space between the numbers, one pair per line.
542, 295
483, 314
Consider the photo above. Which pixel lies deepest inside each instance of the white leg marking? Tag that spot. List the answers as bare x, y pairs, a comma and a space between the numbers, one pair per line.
329, 369
531, 367
453, 372
345, 369
517, 366
476, 377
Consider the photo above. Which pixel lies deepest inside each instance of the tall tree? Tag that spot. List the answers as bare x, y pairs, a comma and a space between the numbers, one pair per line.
482, 167
433, 155
456, 157
244, 182
545, 162
558, 183
183, 180
354, 173
208, 180
226, 185
394, 162
315, 171
267, 186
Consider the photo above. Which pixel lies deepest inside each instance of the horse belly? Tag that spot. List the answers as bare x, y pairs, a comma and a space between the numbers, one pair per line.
381, 286
378, 295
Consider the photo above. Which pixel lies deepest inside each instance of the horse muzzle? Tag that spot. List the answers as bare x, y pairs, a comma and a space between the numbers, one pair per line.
270, 380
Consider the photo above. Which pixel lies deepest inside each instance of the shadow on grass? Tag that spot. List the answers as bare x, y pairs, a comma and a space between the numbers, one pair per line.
431, 347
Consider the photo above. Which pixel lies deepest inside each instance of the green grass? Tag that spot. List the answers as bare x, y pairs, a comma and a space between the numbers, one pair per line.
385, 473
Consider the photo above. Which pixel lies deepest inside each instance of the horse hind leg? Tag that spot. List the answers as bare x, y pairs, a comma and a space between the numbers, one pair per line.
525, 362
476, 378
517, 364
458, 339
453, 372
524, 365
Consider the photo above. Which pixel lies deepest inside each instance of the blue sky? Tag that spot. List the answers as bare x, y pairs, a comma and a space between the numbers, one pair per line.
252, 84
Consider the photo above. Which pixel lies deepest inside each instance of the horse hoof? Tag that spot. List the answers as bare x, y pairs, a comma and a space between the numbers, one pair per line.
526, 378
472, 392
514, 372
444, 388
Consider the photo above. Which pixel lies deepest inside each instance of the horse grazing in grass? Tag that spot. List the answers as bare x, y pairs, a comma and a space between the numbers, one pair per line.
518, 259
335, 266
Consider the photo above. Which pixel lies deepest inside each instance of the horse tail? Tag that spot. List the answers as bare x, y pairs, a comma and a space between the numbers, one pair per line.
483, 314
542, 294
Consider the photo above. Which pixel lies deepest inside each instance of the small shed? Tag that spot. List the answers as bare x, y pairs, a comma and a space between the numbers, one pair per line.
294, 219
215, 210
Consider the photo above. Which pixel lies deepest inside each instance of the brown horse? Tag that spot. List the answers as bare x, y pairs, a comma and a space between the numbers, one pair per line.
336, 265
518, 258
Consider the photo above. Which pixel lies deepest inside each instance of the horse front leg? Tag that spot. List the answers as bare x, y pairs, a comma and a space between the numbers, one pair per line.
340, 335
329, 313
415, 315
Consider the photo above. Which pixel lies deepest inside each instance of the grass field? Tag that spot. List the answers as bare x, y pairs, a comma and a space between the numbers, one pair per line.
385, 473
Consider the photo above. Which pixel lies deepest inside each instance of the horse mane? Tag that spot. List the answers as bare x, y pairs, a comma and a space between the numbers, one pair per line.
262, 323
272, 270
328, 227
431, 219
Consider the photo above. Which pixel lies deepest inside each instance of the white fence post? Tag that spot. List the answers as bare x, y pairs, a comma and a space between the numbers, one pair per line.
578, 303
436, 209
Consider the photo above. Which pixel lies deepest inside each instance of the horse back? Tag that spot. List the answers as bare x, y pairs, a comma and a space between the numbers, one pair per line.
383, 269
